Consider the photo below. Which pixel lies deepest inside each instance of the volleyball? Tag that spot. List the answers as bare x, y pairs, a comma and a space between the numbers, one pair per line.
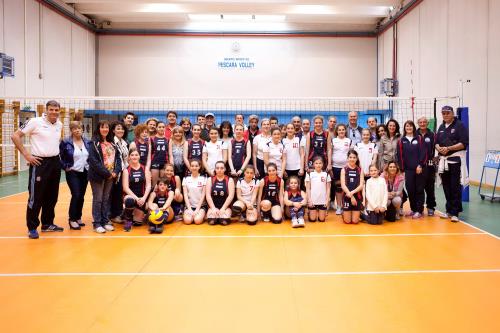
157, 216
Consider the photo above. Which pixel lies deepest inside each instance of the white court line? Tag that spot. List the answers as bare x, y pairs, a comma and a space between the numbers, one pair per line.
431, 271
249, 236
472, 226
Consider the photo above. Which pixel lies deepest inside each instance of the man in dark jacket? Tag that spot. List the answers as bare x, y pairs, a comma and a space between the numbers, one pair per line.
429, 170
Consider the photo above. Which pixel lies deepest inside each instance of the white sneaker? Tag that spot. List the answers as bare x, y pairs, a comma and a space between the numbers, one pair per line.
266, 219
100, 230
454, 219
417, 215
295, 223
338, 211
109, 227
301, 222
444, 215
398, 217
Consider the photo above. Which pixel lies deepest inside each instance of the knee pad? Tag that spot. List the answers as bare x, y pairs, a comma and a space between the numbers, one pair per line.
225, 221
276, 221
236, 210
320, 220
211, 221
129, 203
252, 222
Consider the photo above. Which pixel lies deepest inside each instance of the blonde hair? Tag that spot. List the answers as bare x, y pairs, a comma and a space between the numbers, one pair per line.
75, 124
178, 129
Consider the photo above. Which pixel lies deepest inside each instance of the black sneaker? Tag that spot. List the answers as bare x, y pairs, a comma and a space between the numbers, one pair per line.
33, 234
52, 228
159, 229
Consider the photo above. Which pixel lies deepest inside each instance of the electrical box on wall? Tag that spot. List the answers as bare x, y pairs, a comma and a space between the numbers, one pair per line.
389, 87
6, 66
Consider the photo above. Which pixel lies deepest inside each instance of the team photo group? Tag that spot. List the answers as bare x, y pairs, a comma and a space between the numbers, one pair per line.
247, 170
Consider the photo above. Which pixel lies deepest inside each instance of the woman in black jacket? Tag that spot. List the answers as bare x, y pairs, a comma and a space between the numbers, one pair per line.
74, 153
104, 167
411, 155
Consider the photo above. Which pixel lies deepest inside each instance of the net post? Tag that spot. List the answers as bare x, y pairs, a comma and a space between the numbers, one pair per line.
39, 110
62, 116
435, 115
2, 110
16, 107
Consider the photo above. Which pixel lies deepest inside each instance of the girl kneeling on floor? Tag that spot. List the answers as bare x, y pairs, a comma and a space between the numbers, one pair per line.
247, 189
352, 182
136, 188
194, 187
174, 184
161, 199
318, 184
295, 200
376, 196
271, 196
220, 194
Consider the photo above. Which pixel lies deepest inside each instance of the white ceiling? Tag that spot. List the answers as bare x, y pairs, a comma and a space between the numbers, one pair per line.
293, 15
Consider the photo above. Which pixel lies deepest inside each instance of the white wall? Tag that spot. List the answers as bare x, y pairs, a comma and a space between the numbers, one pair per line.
67, 52
441, 42
284, 67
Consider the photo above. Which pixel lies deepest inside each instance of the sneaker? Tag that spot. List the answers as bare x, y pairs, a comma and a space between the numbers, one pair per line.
52, 228
401, 211
266, 219
417, 215
81, 223
409, 214
74, 225
159, 229
100, 229
127, 225
137, 223
338, 211
398, 216
109, 227
117, 219
178, 217
33, 234
295, 223
444, 215
242, 219
301, 222
454, 219
430, 212
152, 228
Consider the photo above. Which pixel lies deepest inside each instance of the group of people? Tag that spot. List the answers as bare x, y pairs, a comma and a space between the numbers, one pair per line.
259, 170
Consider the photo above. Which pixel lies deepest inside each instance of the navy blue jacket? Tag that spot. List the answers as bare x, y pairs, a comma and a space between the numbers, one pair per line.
455, 133
429, 142
412, 154
97, 170
67, 150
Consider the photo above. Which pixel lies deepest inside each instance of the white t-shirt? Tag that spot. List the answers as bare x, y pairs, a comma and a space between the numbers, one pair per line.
44, 136
247, 189
214, 151
80, 157
292, 150
340, 149
194, 187
260, 142
319, 191
275, 153
365, 154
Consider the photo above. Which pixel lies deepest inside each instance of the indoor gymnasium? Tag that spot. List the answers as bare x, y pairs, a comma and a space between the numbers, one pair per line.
249, 166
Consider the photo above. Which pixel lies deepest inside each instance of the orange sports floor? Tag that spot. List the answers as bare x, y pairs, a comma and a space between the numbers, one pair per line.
425, 276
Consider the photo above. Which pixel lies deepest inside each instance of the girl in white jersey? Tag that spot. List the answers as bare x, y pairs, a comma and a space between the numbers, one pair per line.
367, 152
337, 159
273, 151
293, 153
247, 189
213, 151
194, 188
318, 191
259, 142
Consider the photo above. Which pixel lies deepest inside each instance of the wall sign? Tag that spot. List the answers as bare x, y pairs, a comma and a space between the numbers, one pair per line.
241, 63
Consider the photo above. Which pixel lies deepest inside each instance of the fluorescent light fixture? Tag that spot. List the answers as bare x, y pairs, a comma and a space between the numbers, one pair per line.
161, 8
244, 18
312, 10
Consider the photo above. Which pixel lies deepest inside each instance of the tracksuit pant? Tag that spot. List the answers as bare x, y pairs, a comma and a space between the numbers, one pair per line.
415, 184
452, 189
430, 180
43, 191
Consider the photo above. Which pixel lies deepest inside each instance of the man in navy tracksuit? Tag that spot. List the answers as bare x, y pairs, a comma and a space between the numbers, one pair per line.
429, 169
452, 140
412, 157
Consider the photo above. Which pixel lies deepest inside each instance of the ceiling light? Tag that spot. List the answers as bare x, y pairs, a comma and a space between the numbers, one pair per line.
236, 18
270, 18
161, 8
312, 10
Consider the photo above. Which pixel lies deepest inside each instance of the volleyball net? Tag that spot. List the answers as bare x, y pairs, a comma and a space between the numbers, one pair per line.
15, 111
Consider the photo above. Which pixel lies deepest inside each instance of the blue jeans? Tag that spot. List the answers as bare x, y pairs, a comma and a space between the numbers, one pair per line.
100, 201
77, 182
